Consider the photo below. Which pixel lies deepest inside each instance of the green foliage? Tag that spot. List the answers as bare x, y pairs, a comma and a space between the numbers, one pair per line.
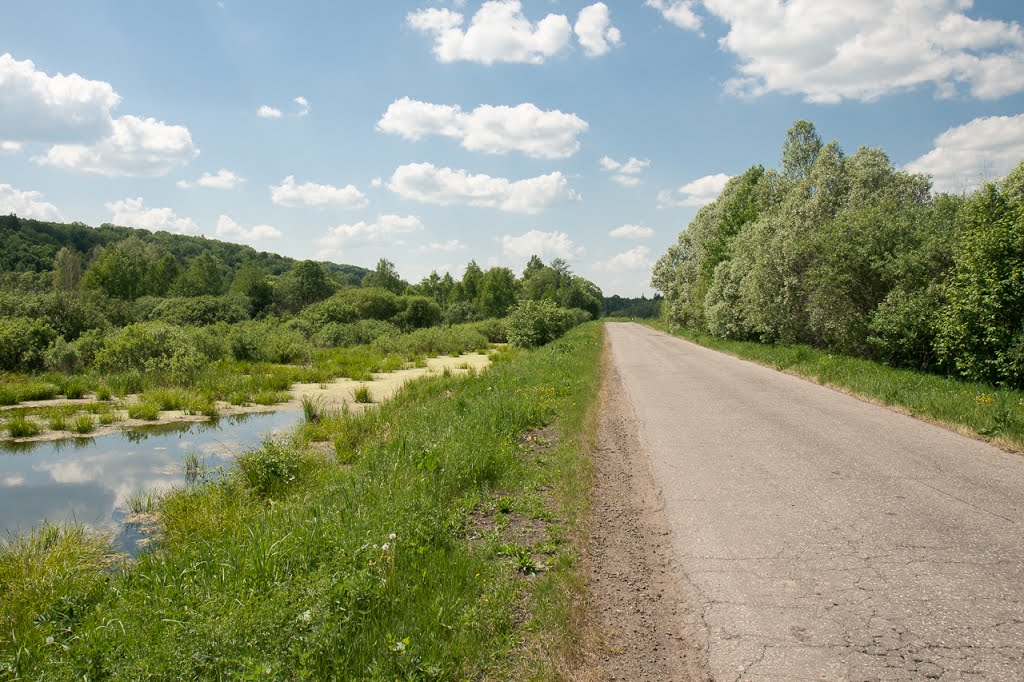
155, 348
23, 343
199, 310
854, 256
147, 409
419, 312
271, 469
385, 276
535, 323
362, 394
981, 328
20, 427
354, 334
267, 340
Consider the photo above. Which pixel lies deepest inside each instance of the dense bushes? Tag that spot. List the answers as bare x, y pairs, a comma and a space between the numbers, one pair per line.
197, 310
852, 255
23, 341
159, 348
534, 323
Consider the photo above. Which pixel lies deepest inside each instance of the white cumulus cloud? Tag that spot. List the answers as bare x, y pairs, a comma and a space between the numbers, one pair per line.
498, 32
138, 147
311, 194
131, 213
544, 244
625, 173
223, 179
449, 246
36, 107
303, 106
594, 30
385, 228
697, 193
493, 129
74, 115
965, 156
427, 183
267, 111
637, 258
632, 232
831, 50
229, 229
10, 147
26, 204
678, 12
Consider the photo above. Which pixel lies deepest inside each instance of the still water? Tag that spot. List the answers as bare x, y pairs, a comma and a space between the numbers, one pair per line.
89, 480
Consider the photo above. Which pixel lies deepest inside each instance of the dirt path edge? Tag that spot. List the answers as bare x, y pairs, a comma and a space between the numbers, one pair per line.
647, 623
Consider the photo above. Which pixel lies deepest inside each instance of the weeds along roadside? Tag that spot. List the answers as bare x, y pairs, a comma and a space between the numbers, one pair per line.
975, 409
432, 538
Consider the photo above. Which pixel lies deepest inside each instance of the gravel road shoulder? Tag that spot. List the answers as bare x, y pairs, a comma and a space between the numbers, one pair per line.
647, 625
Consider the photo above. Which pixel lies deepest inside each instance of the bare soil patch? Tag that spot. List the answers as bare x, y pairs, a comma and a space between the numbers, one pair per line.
646, 624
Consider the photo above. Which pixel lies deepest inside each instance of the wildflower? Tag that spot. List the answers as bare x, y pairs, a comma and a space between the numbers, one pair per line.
49, 640
386, 546
392, 536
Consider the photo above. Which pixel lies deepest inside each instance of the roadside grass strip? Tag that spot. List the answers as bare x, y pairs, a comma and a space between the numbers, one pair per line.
431, 538
981, 410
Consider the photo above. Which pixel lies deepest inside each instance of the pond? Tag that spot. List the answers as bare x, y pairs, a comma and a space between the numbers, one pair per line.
89, 480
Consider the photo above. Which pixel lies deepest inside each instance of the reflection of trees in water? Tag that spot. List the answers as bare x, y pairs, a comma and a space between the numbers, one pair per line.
58, 445
137, 434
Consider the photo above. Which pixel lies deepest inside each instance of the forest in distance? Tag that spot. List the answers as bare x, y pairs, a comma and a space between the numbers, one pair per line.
849, 254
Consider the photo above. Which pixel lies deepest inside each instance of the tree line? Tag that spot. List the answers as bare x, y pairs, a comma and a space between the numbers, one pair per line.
59, 303
850, 254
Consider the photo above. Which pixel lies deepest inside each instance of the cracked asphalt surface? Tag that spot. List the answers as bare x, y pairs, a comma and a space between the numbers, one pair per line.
823, 537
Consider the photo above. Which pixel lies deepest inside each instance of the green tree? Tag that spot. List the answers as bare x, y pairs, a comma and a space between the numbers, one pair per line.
981, 328
800, 150
252, 282
470, 284
202, 277
497, 292
67, 269
385, 276
311, 282
122, 269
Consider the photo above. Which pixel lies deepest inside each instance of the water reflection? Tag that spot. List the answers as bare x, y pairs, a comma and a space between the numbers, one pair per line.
89, 480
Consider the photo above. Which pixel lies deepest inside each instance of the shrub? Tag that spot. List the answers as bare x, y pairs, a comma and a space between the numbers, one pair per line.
534, 323
432, 341
200, 310
362, 395
267, 341
271, 468
494, 330
354, 334
419, 312
62, 356
23, 342
460, 313
153, 348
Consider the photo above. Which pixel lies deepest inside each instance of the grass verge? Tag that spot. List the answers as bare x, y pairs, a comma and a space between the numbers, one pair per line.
437, 544
994, 414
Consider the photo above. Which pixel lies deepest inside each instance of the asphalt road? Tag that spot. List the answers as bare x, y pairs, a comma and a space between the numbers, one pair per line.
824, 537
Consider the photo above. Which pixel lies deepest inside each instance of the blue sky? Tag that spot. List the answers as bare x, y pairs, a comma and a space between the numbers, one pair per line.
431, 133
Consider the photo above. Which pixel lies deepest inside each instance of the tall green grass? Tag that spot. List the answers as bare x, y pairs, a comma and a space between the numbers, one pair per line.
987, 411
294, 567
